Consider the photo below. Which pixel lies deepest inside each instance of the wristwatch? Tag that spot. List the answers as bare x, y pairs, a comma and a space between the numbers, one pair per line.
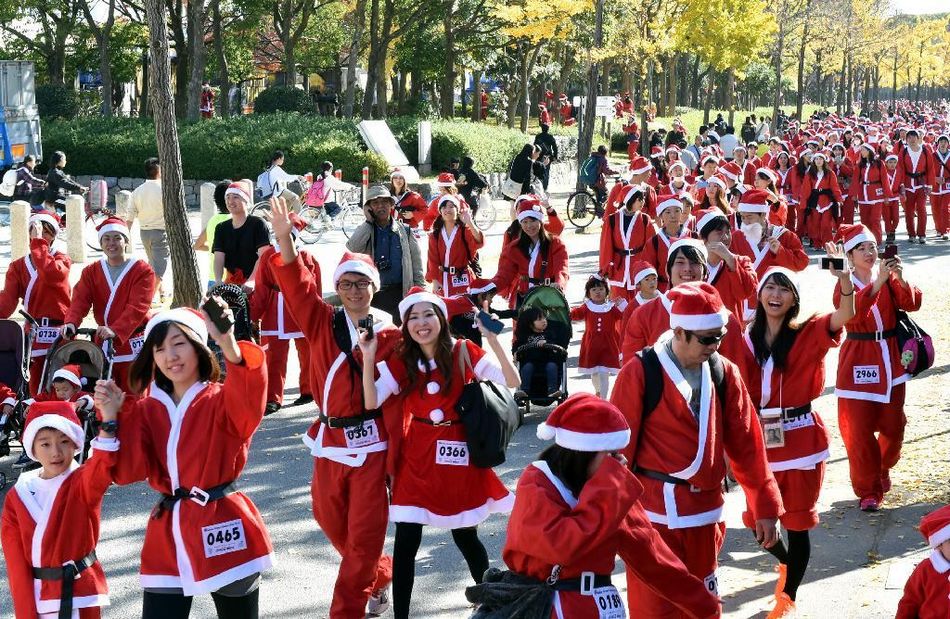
109, 427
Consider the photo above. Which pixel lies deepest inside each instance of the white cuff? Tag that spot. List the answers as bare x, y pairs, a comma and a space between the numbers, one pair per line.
105, 444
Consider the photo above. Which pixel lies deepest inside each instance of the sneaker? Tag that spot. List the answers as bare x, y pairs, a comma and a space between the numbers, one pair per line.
886, 481
912, 239
890, 237
869, 504
520, 396
782, 570
304, 399
270, 408
784, 607
945, 237
378, 603
921, 240
556, 394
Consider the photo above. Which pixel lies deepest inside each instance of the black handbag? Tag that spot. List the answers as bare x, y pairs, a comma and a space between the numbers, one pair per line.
915, 346
489, 414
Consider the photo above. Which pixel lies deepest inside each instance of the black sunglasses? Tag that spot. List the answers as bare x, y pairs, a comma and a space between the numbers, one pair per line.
707, 340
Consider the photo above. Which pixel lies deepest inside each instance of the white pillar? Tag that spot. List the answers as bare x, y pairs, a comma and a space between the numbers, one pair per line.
208, 207
123, 207
75, 220
425, 147
19, 229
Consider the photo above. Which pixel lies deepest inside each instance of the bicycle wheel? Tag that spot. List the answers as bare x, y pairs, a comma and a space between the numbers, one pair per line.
262, 210
580, 209
485, 217
316, 225
90, 233
351, 218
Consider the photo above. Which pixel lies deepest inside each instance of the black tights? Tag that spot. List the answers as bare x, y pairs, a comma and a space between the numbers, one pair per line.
408, 539
177, 606
795, 557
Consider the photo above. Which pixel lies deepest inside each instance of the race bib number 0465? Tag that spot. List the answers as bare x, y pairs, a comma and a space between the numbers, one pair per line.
222, 538
451, 453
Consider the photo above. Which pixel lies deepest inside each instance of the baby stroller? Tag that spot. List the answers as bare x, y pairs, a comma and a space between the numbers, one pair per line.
94, 361
243, 327
555, 306
15, 352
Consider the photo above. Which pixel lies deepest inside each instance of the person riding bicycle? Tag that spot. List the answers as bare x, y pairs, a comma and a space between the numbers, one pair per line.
58, 183
274, 180
320, 190
601, 170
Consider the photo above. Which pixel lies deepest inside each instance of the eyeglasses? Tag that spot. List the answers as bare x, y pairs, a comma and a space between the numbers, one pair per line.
707, 340
363, 284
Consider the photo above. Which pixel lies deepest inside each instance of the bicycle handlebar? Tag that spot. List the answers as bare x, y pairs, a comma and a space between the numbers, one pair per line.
29, 319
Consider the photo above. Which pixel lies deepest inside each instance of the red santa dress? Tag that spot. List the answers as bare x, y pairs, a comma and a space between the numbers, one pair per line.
600, 345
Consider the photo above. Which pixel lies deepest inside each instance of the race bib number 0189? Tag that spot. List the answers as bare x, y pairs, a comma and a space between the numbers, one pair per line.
609, 603
867, 374
222, 538
451, 453
362, 435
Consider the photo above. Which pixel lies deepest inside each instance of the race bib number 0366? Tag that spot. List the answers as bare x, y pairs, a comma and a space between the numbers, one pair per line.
867, 374
222, 538
451, 453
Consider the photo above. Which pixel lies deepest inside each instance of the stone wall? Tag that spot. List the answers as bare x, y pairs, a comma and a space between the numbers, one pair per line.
117, 184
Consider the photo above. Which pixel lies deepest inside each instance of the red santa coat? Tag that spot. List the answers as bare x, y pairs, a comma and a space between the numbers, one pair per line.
868, 369
123, 306
169, 445
747, 172
734, 286
414, 201
693, 448
867, 183
449, 256
336, 387
36, 537
892, 182
649, 204
550, 526
656, 253
41, 280
790, 255
554, 226
518, 273
786, 186
268, 304
941, 166
435, 483
600, 345
919, 174
927, 590
827, 182
620, 246
845, 172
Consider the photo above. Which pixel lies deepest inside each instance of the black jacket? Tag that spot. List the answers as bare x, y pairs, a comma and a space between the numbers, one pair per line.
548, 145
59, 184
524, 170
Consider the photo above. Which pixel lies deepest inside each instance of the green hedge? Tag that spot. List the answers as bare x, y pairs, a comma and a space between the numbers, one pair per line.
492, 147
282, 99
57, 101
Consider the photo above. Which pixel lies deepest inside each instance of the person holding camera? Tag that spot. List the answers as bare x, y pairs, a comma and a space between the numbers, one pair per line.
393, 248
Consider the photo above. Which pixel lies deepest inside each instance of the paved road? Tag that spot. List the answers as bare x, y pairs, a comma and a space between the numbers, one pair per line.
859, 561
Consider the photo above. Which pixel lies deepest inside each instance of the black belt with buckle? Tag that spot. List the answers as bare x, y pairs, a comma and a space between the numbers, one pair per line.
587, 582
436, 423
338, 423
198, 495
68, 574
449, 270
537, 281
871, 336
664, 477
794, 412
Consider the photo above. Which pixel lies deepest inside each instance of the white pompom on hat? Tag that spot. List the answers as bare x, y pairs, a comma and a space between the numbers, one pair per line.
584, 422
54, 414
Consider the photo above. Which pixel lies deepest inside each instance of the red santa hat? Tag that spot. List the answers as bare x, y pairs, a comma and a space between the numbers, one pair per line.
45, 217
641, 269
640, 165
790, 274
352, 262
731, 170
562, 97
688, 242
656, 151
112, 224
584, 422
852, 235
667, 201
632, 191
297, 224
677, 164
54, 414
891, 157
706, 217
71, 373
397, 172
718, 179
738, 148
479, 285
768, 172
943, 137
696, 306
449, 198
530, 207
707, 157
418, 294
935, 526
823, 155
185, 316
445, 179
754, 201
238, 189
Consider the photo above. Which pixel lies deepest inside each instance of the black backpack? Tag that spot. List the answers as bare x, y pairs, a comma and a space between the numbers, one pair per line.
653, 380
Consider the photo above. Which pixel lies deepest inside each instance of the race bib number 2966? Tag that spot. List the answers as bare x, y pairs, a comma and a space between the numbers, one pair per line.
867, 374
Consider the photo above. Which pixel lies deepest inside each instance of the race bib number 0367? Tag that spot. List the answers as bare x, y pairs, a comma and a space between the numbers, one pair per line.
362, 435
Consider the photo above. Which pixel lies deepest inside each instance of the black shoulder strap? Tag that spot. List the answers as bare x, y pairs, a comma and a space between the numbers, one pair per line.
341, 334
719, 378
652, 381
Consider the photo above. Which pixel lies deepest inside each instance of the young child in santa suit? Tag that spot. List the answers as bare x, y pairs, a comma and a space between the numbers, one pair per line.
940, 196
278, 326
50, 522
67, 387
928, 589
600, 346
646, 282
669, 212
581, 489
891, 207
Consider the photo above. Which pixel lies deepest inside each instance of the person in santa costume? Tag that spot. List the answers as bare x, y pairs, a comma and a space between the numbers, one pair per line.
844, 170
632, 129
678, 450
639, 172
600, 345
544, 116
623, 236
189, 437
535, 258
67, 386
435, 484
708, 167
730, 273
348, 441
50, 520
445, 186
566, 111
870, 188
918, 174
581, 488
553, 224
940, 196
927, 592
453, 244
821, 195
278, 327
410, 205
744, 166
40, 280
644, 325
784, 370
669, 214
798, 173
891, 208
871, 377
767, 180
119, 290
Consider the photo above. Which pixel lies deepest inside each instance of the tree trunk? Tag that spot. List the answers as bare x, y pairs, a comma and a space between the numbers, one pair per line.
359, 19
476, 95
372, 64
177, 20
695, 83
585, 140
731, 95
448, 67
707, 104
185, 268
674, 70
777, 94
224, 77
382, 90
198, 53
523, 92
143, 100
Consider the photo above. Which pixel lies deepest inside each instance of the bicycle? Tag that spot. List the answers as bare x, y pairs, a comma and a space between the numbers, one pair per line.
348, 218
583, 206
486, 214
93, 216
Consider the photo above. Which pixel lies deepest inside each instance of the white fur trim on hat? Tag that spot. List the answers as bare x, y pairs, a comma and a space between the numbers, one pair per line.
715, 180
537, 213
857, 240
183, 316
639, 276
356, 266
480, 289
891, 157
668, 203
116, 227
747, 207
582, 441
57, 422
643, 170
700, 247
768, 172
421, 297
69, 376
239, 192
790, 274
705, 219
698, 322
939, 537
45, 218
